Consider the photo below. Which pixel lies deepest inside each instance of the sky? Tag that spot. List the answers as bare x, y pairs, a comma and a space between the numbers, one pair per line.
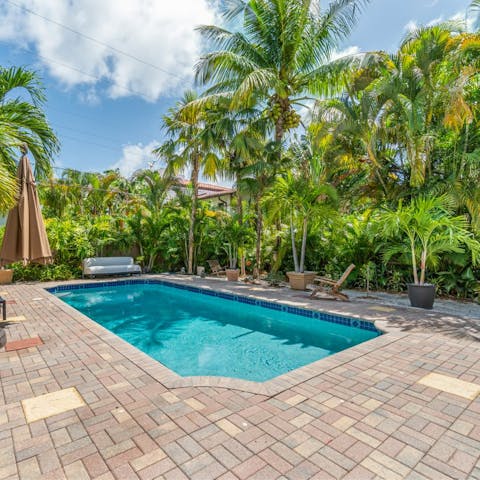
111, 69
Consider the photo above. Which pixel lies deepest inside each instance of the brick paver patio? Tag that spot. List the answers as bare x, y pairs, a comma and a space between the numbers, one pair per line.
368, 412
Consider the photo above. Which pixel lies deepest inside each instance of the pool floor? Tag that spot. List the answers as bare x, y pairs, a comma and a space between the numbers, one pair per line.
199, 335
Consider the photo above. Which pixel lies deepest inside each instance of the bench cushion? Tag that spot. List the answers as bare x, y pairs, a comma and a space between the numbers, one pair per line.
109, 265
106, 261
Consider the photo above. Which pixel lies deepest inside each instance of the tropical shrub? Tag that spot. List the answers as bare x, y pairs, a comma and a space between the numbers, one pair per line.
43, 273
235, 235
427, 229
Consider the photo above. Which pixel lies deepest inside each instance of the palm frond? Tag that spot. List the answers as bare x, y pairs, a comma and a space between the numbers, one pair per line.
14, 78
22, 121
8, 189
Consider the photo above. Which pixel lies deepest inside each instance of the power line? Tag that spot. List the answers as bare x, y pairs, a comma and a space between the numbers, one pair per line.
107, 147
96, 77
96, 189
71, 169
87, 187
81, 140
84, 132
92, 39
67, 112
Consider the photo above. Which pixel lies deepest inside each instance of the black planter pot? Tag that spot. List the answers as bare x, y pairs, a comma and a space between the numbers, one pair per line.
421, 296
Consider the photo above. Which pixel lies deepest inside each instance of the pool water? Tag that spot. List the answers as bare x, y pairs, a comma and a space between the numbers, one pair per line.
195, 334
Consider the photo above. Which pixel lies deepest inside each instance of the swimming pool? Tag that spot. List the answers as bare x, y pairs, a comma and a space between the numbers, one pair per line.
200, 332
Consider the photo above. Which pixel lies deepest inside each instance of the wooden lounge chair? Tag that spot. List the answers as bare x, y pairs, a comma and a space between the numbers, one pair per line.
216, 268
332, 287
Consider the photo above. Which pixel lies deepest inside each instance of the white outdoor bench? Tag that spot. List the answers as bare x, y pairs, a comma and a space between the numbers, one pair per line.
109, 266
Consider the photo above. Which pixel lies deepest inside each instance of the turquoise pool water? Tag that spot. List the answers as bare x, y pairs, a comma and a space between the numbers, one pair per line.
196, 334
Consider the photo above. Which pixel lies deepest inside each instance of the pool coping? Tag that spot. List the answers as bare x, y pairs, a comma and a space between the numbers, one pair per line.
321, 315
171, 379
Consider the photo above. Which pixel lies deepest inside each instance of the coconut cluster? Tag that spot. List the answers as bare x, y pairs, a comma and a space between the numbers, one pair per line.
280, 111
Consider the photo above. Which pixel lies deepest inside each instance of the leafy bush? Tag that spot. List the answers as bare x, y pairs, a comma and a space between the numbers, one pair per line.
43, 273
69, 241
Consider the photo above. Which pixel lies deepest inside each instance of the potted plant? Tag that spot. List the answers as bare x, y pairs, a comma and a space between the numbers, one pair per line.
302, 201
429, 229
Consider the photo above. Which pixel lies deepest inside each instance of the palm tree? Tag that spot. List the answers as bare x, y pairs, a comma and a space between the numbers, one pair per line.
409, 91
302, 195
153, 187
190, 145
302, 201
54, 196
142, 206
255, 178
22, 122
355, 120
282, 55
460, 107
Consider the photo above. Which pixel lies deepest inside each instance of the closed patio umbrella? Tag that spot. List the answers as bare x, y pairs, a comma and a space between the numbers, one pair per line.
25, 237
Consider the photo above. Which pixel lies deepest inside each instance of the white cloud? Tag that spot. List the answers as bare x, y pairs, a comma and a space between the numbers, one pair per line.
435, 21
411, 26
90, 96
459, 17
468, 19
159, 32
135, 157
353, 50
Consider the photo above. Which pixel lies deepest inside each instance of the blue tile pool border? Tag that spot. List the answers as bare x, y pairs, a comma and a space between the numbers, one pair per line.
303, 312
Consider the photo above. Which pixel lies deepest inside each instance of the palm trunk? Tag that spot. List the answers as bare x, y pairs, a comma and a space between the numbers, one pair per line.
243, 272
294, 246
193, 214
304, 245
376, 166
278, 243
239, 200
258, 245
151, 261
279, 130
414, 262
423, 266
465, 149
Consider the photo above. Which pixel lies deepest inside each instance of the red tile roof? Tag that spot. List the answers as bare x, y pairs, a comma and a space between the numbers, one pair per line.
209, 190
205, 186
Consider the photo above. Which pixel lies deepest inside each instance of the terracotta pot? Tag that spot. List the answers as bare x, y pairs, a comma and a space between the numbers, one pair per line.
299, 281
232, 274
421, 296
6, 276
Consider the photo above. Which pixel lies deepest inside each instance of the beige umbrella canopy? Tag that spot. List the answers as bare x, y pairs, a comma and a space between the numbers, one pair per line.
25, 237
